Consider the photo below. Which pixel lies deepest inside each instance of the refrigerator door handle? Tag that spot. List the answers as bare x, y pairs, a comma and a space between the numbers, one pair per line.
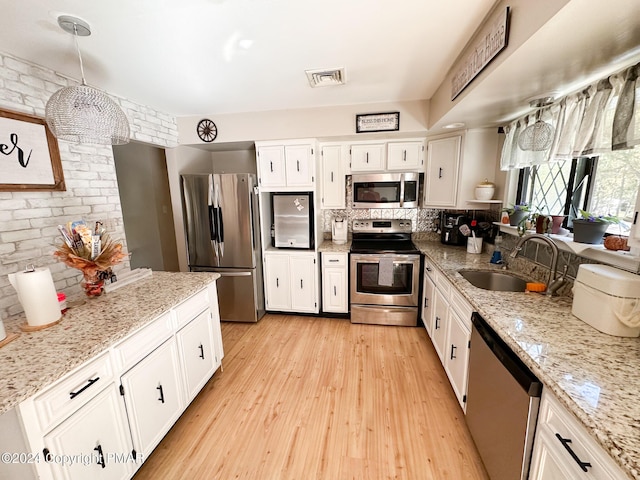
213, 227
218, 209
212, 223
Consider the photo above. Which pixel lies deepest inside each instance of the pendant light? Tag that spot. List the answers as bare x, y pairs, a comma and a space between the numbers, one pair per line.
83, 114
538, 136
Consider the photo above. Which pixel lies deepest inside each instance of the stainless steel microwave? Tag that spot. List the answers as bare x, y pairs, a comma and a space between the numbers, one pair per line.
386, 190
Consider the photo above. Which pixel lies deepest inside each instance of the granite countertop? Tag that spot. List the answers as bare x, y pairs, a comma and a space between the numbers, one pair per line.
36, 359
330, 247
593, 374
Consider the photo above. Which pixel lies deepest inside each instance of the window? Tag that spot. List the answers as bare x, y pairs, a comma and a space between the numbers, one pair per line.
603, 185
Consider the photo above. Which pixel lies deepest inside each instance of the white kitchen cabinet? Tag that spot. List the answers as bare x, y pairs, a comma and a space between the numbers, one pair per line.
285, 166
441, 178
98, 433
303, 283
271, 166
439, 325
564, 450
84, 407
449, 328
428, 294
405, 156
153, 396
456, 361
333, 179
456, 164
197, 353
335, 293
277, 282
290, 282
368, 157
299, 165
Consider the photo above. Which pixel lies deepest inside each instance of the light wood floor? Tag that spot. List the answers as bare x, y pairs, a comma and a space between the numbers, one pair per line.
319, 398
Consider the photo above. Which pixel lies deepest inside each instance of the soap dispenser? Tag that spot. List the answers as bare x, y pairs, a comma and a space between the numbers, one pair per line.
497, 254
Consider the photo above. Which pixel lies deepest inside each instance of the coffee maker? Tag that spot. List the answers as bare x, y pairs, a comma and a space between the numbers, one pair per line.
450, 223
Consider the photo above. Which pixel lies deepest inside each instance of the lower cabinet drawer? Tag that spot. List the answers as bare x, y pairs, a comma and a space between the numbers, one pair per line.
73, 391
138, 345
189, 309
577, 453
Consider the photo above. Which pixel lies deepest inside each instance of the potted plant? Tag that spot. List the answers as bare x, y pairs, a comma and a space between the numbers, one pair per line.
589, 228
518, 214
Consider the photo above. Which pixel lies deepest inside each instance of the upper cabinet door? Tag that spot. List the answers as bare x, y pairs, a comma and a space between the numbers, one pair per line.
367, 158
299, 165
271, 166
441, 178
405, 156
333, 177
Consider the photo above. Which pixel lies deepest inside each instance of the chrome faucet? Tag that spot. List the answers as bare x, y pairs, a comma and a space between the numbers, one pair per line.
554, 283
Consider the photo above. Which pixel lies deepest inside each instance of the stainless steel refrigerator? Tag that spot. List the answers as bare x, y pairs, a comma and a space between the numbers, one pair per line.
223, 235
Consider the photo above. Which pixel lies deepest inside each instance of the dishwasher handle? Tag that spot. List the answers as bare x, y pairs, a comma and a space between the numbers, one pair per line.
520, 372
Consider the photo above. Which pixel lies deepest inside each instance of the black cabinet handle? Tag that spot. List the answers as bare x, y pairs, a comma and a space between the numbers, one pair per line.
301, 286
404, 155
429, 269
565, 443
161, 399
201, 351
298, 165
437, 323
90, 382
100, 456
367, 157
440, 172
277, 283
335, 291
271, 166
47, 454
453, 351
331, 177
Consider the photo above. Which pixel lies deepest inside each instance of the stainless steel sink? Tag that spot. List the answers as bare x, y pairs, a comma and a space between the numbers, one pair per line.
491, 280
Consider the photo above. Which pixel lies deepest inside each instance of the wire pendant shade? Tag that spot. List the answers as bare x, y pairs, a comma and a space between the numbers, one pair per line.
536, 137
83, 114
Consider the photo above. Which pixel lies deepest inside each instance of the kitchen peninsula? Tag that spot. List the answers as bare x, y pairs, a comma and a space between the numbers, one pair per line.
154, 343
589, 372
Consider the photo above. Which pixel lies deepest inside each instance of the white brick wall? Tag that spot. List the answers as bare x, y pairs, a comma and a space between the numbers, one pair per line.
28, 220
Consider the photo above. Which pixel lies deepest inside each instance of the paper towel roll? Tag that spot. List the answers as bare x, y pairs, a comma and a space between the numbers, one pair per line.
38, 297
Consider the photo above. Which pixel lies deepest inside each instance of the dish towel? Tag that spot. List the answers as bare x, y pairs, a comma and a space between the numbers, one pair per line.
385, 271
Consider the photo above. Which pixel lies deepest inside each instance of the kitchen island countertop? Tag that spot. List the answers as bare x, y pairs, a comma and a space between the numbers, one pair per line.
593, 374
36, 359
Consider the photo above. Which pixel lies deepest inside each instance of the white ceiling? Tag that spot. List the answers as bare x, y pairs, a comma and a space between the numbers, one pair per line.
207, 57
189, 57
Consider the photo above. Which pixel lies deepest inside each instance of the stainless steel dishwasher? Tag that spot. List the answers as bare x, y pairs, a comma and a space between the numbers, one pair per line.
502, 404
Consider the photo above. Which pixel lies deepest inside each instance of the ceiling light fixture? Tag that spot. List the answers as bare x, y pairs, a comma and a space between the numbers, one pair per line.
83, 114
538, 136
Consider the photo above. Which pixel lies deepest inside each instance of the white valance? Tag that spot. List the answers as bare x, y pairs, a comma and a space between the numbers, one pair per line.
601, 118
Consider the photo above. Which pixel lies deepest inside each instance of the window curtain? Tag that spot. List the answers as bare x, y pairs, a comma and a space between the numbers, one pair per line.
600, 118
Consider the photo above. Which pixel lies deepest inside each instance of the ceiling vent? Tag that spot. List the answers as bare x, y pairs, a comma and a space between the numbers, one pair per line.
325, 78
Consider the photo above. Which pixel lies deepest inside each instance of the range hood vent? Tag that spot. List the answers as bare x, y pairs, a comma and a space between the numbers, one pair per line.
325, 77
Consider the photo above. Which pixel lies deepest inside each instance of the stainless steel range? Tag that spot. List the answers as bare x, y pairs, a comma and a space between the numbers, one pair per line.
385, 273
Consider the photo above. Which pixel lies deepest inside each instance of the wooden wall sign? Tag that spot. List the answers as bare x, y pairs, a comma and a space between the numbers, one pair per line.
29, 154
491, 42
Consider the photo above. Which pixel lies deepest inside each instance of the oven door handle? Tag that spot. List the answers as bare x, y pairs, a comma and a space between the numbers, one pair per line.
375, 257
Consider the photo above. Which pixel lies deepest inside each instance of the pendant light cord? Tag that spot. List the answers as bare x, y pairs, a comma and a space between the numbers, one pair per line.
75, 37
